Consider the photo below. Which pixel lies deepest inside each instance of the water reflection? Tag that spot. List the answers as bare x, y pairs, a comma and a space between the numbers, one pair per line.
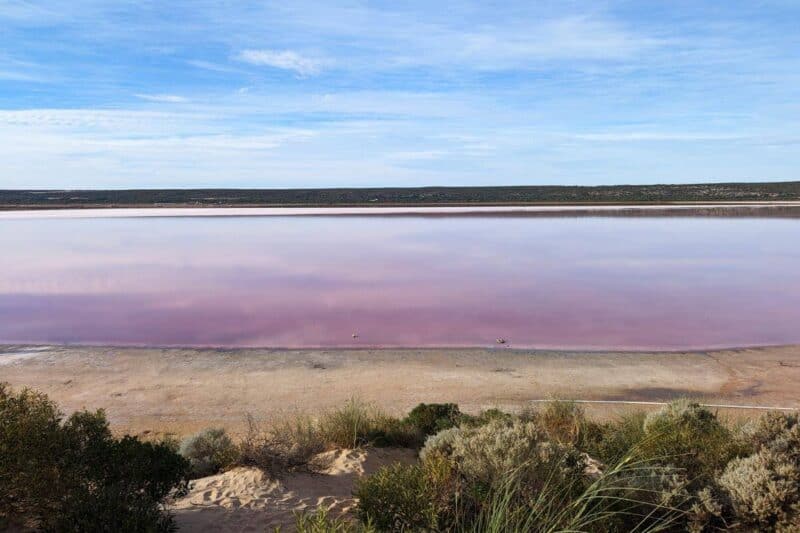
595, 282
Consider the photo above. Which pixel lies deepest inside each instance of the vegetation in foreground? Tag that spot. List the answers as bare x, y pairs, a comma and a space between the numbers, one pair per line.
681, 468
71, 474
702, 192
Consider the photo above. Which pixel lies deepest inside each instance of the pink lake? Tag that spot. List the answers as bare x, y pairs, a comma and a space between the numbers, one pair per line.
539, 281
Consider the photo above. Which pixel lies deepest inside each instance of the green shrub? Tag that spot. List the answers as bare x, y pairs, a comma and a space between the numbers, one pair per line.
431, 418
690, 437
31, 439
614, 441
58, 474
484, 417
388, 431
209, 451
402, 497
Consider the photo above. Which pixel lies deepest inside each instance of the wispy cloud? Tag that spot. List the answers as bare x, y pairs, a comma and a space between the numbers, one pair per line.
213, 66
281, 59
164, 98
642, 136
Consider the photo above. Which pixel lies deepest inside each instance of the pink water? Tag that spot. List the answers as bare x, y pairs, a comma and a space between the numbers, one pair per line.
594, 282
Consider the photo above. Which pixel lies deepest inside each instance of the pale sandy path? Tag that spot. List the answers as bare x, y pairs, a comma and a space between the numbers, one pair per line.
183, 390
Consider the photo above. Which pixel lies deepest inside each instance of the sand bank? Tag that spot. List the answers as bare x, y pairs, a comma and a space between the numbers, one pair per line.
151, 391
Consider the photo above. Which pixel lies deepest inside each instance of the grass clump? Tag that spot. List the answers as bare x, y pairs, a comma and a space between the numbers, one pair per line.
285, 444
291, 442
563, 421
321, 521
71, 474
209, 452
358, 423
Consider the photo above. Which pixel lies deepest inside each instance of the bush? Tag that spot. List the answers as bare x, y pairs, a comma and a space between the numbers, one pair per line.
499, 450
209, 451
440, 444
612, 442
58, 474
504, 476
418, 497
286, 444
685, 435
390, 432
764, 488
431, 418
768, 428
484, 417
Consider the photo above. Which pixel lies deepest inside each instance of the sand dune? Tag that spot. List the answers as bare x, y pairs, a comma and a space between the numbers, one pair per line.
248, 499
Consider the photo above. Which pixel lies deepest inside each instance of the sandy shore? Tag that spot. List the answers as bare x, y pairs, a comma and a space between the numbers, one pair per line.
151, 391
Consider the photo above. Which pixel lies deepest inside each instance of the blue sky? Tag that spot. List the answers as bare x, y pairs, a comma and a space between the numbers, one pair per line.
115, 94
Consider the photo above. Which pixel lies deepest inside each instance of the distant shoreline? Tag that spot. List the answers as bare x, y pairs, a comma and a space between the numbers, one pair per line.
781, 209
33, 348
539, 195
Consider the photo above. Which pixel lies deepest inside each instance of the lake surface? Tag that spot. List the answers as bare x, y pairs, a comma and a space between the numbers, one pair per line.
568, 282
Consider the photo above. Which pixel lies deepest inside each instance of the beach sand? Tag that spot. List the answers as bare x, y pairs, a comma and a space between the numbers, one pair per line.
149, 391
248, 499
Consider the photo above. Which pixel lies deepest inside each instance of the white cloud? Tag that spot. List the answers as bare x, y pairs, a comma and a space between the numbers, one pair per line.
166, 98
281, 59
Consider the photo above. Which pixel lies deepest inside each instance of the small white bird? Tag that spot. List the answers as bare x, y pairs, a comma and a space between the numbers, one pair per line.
355, 335
501, 341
